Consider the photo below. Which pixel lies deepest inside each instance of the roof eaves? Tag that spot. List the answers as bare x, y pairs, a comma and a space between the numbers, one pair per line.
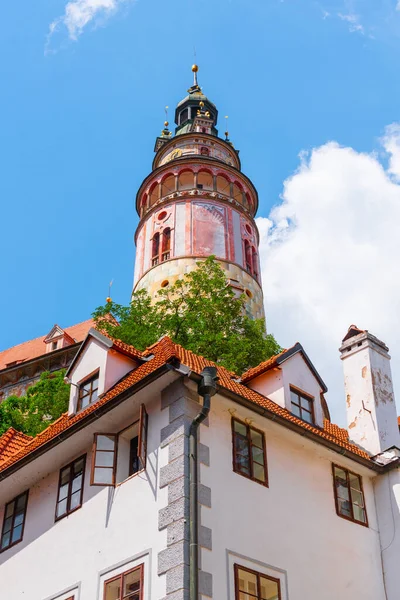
88, 418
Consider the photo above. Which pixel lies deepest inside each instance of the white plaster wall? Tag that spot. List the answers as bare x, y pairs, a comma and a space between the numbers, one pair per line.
117, 365
93, 357
292, 526
112, 527
387, 493
370, 406
270, 384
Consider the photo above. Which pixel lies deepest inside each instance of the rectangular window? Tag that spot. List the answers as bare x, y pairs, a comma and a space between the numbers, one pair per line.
104, 459
349, 495
249, 456
251, 585
14, 521
302, 405
70, 487
131, 446
88, 390
133, 455
127, 586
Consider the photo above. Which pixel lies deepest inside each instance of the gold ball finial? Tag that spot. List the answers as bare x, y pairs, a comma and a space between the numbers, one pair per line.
166, 123
108, 300
201, 104
195, 68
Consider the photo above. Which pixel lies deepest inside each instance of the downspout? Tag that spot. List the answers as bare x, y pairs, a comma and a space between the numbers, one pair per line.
206, 387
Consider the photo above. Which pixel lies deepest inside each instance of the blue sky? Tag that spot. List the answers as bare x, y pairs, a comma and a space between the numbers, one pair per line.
83, 92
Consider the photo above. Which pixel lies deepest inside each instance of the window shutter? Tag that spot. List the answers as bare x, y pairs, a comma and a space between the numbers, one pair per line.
104, 459
142, 445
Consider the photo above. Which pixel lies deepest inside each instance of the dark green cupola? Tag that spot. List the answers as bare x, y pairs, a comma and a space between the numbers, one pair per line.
196, 104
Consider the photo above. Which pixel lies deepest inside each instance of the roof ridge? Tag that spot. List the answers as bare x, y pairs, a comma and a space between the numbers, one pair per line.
39, 337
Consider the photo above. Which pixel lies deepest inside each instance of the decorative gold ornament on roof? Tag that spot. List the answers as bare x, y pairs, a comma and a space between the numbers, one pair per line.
195, 68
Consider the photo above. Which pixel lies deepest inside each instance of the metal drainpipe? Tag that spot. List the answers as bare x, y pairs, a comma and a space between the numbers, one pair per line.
207, 387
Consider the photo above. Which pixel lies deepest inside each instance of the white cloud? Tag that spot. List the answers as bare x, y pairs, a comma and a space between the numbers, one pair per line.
331, 255
354, 22
79, 13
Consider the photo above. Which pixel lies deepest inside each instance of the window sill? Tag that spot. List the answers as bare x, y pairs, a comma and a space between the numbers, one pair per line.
352, 520
11, 546
130, 477
263, 483
71, 512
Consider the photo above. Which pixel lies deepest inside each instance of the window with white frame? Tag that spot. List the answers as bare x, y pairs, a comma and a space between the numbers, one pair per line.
252, 579
117, 456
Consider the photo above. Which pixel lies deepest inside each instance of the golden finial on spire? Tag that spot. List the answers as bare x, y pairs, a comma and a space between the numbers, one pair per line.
195, 69
226, 132
108, 299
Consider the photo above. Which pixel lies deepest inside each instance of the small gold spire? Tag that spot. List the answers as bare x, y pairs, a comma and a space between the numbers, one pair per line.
226, 132
201, 104
195, 69
166, 123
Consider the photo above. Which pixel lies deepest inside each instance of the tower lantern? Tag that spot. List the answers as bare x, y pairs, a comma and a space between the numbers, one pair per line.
196, 202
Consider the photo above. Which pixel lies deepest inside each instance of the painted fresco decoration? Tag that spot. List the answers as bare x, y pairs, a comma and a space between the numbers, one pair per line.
197, 202
209, 230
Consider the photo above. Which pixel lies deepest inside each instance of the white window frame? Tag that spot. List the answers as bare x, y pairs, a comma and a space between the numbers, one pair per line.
254, 565
130, 563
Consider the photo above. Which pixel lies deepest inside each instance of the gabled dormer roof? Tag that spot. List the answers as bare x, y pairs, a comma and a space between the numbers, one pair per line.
108, 342
277, 360
56, 332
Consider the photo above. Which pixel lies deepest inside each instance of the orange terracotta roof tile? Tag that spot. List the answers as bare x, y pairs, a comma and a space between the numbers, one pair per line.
161, 353
11, 442
36, 347
262, 367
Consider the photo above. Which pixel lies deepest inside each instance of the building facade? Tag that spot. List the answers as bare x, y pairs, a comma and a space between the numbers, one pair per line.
170, 478
22, 365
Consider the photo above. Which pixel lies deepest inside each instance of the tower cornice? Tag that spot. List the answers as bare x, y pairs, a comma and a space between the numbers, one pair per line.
201, 136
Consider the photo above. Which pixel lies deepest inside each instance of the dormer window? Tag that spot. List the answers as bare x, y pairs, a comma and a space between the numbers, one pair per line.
54, 345
88, 390
302, 405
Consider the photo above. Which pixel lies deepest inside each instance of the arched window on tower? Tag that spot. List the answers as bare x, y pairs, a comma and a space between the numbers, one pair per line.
237, 192
205, 181
249, 201
255, 262
154, 194
168, 185
248, 256
186, 180
166, 244
223, 185
155, 249
143, 204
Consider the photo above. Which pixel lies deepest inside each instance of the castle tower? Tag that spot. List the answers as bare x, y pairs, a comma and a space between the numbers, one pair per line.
196, 202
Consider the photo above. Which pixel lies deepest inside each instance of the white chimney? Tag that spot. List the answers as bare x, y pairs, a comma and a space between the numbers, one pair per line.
370, 405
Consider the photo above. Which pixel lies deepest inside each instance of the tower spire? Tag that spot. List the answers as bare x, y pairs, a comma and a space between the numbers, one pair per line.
195, 87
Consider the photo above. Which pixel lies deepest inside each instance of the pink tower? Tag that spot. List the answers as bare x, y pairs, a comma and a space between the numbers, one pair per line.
197, 202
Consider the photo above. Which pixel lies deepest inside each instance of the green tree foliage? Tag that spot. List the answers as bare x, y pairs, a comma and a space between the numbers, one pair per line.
43, 403
199, 311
